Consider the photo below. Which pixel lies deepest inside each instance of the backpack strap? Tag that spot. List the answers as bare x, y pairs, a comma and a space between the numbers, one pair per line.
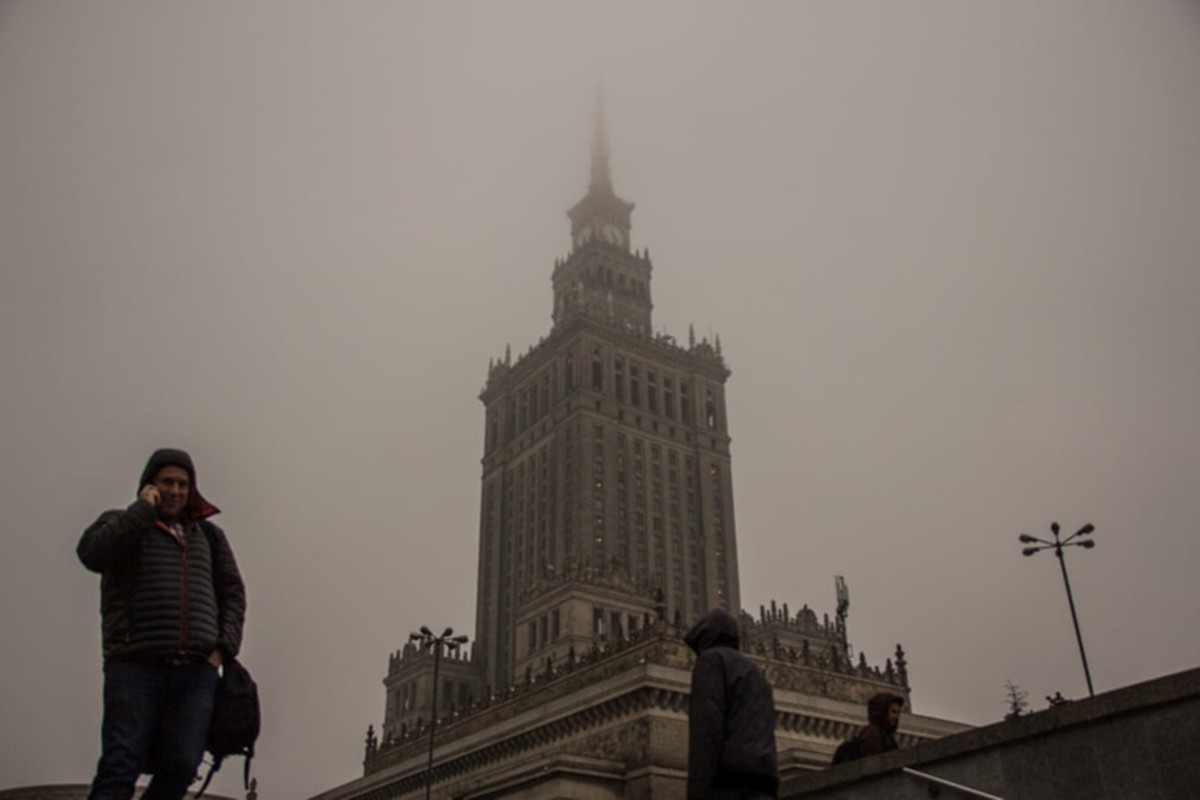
209, 534
216, 765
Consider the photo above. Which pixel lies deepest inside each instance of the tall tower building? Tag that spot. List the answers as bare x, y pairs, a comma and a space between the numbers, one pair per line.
606, 488
605, 527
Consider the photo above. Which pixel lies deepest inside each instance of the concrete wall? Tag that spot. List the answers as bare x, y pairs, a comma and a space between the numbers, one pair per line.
1137, 743
74, 791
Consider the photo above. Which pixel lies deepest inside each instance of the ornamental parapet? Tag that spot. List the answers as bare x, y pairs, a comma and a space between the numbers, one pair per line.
410, 655
703, 356
659, 643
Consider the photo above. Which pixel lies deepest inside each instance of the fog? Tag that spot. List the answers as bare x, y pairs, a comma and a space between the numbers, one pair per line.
950, 249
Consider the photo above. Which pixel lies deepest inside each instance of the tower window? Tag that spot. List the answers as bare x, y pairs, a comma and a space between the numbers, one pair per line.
597, 370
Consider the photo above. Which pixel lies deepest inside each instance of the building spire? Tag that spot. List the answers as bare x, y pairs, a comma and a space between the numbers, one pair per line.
601, 176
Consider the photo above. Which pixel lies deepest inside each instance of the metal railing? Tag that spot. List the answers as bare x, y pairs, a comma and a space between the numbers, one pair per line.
925, 776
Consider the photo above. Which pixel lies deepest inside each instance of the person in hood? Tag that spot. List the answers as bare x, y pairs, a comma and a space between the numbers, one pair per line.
731, 717
883, 718
172, 605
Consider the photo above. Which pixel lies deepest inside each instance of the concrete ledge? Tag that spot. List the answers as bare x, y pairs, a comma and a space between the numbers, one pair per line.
1178, 689
74, 791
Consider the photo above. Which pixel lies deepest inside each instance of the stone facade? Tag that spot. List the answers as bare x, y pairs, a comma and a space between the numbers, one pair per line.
612, 722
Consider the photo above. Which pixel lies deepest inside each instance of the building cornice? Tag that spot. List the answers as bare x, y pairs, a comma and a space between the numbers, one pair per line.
701, 358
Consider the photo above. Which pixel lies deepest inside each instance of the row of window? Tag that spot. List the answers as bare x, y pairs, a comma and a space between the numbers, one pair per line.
719, 532
628, 388
616, 280
601, 277
633, 384
606, 624
454, 694
544, 630
655, 532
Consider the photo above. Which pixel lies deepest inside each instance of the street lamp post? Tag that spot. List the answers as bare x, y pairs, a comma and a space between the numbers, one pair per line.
436, 643
1073, 540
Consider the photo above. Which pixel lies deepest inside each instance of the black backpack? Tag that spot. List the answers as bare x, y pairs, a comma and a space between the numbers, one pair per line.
848, 750
236, 717
235, 721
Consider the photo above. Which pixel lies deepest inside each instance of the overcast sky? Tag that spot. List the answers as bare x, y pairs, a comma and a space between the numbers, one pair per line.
951, 250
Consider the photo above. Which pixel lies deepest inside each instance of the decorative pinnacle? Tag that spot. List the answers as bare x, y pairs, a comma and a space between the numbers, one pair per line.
601, 175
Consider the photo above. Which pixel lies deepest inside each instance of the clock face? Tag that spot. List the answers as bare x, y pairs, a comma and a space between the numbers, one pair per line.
613, 234
583, 236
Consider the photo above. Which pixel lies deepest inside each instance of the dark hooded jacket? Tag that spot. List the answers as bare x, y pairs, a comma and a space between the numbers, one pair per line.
878, 735
731, 714
163, 600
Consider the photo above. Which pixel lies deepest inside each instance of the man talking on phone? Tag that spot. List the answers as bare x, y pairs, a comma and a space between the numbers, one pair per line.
172, 605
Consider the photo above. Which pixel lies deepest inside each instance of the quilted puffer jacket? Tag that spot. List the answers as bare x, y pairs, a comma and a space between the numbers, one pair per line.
163, 599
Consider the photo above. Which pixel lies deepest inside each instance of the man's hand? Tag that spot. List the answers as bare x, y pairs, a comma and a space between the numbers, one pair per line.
215, 658
150, 494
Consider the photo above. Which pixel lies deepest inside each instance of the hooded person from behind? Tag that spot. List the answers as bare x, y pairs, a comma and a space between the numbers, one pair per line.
883, 718
731, 717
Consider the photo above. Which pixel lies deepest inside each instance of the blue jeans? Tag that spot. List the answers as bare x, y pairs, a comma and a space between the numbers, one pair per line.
155, 720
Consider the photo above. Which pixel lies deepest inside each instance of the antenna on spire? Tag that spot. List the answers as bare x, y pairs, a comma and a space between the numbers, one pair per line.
601, 176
